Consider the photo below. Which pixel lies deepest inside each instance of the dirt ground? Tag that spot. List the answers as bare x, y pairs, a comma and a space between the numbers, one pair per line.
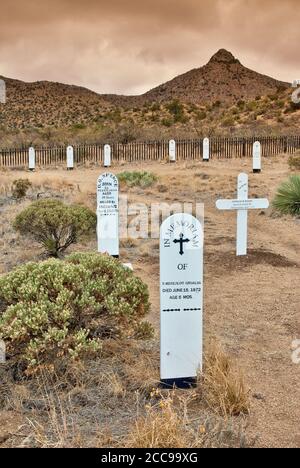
252, 303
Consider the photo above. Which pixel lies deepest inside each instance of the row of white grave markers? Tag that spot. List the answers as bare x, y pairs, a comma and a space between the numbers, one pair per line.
206, 150
172, 155
206, 153
70, 157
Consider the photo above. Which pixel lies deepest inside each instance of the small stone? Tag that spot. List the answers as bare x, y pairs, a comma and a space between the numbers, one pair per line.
259, 396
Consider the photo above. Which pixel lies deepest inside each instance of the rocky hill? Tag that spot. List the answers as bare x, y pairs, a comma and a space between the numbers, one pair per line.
223, 95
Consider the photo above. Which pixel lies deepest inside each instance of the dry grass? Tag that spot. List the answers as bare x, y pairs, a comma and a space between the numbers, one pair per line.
223, 385
171, 420
161, 427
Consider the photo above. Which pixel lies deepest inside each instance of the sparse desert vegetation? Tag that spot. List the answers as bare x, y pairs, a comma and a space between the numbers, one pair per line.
220, 98
82, 331
137, 179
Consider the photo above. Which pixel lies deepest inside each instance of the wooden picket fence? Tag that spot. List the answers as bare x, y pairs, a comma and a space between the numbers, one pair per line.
220, 148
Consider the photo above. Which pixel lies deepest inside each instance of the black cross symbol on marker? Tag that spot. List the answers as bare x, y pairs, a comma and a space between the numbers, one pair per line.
181, 241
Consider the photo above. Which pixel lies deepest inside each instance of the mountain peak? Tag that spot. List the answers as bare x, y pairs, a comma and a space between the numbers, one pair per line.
223, 56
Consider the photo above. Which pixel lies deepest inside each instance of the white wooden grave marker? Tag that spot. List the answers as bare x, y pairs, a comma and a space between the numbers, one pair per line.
206, 149
108, 214
2, 92
2, 352
107, 156
172, 151
242, 205
31, 161
257, 157
181, 300
70, 158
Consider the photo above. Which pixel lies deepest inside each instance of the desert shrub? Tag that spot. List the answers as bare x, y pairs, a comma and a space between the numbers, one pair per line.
55, 309
217, 104
294, 161
138, 179
20, 188
228, 122
241, 104
55, 225
144, 331
155, 107
176, 109
201, 115
287, 198
167, 122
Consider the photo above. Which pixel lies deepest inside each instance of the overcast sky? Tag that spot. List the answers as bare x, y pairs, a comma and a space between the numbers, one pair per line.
130, 46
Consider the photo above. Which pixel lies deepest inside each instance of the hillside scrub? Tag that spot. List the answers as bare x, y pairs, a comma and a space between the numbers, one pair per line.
66, 309
55, 225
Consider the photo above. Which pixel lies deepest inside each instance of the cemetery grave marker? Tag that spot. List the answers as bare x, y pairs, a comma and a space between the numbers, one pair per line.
31, 161
206, 149
181, 300
70, 158
107, 156
108, 214
257, 157
2, 92
2, 352
172, 151
242, 205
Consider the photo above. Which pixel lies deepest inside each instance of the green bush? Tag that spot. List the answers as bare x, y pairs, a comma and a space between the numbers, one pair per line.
20, 188
167, 122
138, 179
55, 309
287, 199
200, 115
228, 122
55, 225
294, 161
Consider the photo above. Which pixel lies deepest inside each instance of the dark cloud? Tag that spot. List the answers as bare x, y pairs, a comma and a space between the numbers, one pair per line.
130, 46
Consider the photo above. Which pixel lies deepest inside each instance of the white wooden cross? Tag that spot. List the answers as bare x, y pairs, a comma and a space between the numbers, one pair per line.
242, 205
